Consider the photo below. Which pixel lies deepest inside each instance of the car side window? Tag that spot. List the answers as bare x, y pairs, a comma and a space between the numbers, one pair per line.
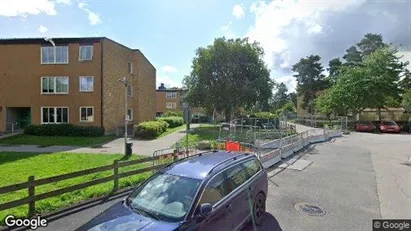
252, 167
215, 190
236, 176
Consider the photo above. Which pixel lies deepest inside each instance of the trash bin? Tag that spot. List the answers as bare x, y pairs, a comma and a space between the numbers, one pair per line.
129, 149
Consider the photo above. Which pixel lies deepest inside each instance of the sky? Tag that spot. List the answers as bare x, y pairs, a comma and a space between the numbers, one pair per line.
169, 31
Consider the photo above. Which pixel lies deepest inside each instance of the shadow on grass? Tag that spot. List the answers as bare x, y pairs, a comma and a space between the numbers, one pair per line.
270, 223
6, 157
125, 157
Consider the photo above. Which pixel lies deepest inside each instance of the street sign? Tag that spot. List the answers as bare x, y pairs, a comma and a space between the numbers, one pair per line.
185, 105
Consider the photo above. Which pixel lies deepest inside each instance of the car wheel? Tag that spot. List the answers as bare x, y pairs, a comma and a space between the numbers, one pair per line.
259, 209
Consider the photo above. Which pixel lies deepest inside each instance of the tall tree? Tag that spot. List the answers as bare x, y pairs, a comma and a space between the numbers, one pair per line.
310, 80
370, 43
406, 100
293, 98
352, 56
280, 98
334, 69
405, 82
227, 75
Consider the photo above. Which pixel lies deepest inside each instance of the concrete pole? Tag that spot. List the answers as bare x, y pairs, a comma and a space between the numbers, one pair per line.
125, 119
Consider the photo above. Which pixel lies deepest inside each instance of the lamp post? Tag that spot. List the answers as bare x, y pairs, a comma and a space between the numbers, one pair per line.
126, 84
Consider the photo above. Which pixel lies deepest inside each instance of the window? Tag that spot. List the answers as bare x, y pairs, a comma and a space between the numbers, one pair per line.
54, 85
130, 67
168, 196
86, 114
171, 105
171, 95
130, 114
54, 55
85, 53
130, 90
215, 190
54, 115
252, 167
236, 176
86, 83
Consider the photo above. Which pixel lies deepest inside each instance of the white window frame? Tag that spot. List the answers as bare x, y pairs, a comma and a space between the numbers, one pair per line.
55, 55
172, 103
131, 114
86, 81
130, 94
171, 95
55, 85
85, 46
130, 67
55, 114
86, 121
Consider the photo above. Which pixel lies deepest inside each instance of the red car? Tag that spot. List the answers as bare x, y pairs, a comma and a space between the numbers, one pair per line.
364, 127
389, 126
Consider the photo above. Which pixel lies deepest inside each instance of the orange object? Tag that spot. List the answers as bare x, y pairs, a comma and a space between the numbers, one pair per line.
233, 146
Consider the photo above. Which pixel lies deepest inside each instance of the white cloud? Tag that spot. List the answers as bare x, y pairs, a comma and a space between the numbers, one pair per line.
226, 29
43, 29
169, 69
238, 11
67, 2
93, 17
168, 81
26, 7
289, 81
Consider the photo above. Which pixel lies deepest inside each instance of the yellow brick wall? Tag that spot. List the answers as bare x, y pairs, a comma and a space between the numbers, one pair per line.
145, 88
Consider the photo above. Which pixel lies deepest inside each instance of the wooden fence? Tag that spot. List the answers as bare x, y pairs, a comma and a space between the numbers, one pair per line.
32, 183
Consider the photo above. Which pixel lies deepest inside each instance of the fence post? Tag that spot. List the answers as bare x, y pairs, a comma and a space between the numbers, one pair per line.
32, 192
115, 175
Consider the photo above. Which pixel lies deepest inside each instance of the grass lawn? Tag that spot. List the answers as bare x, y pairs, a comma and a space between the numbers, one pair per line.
45, 141
17, 167
172, 130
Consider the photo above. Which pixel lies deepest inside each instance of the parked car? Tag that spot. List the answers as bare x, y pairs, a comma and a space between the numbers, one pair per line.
364, 127
389, 126
209, 191
227, 126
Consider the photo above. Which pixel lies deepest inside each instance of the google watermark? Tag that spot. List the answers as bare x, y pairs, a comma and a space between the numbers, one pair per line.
385, 224
32, 223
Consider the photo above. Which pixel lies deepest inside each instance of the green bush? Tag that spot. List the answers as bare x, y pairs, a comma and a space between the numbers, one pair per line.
150, 129
63, 130
264, 115
173, 113
173, 121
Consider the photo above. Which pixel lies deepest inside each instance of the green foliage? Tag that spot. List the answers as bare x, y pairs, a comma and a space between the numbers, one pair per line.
334, 68
406, 100
310, 79
150, 129
264, 115
228, 74
63, 130
352, 56
288, 107
172, 121
280, 98
173, 113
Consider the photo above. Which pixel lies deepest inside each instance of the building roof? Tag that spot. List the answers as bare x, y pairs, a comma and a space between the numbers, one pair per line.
170, 90
198, 167
391, 109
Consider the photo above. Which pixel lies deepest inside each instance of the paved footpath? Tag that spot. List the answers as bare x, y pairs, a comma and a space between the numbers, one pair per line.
141, 147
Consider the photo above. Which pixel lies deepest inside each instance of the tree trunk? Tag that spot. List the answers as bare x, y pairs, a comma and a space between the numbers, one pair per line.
379, 114
227, 114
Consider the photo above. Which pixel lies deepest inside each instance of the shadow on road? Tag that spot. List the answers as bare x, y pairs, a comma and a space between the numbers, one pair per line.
270, 223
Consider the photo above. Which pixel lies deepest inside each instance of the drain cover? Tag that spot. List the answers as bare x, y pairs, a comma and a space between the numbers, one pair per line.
311, 210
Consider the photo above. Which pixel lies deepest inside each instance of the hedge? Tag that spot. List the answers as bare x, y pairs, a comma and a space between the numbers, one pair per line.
173, 121
172, 113
63, 130
264, 115
150, 129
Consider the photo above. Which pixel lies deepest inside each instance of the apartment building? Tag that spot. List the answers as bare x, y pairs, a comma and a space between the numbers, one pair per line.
169, 99
74, 80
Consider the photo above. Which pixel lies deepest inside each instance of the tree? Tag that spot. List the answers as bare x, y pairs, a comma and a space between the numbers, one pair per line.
405, 82
334, 69
228, 74
280, 98
293, 98
370, 43
352, 56
310, 80
406, 100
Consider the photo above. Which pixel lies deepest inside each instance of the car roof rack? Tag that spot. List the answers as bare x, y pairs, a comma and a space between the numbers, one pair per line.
227, 160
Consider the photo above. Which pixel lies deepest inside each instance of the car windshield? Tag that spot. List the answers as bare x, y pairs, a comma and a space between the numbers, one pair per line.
389, 123
164, 197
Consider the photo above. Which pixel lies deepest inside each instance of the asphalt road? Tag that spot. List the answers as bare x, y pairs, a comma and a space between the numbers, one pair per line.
354, 179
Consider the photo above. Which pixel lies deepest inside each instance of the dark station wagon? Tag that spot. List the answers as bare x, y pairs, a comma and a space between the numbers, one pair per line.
216, 191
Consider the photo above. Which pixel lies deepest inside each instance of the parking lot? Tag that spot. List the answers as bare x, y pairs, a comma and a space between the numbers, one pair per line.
353, 179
